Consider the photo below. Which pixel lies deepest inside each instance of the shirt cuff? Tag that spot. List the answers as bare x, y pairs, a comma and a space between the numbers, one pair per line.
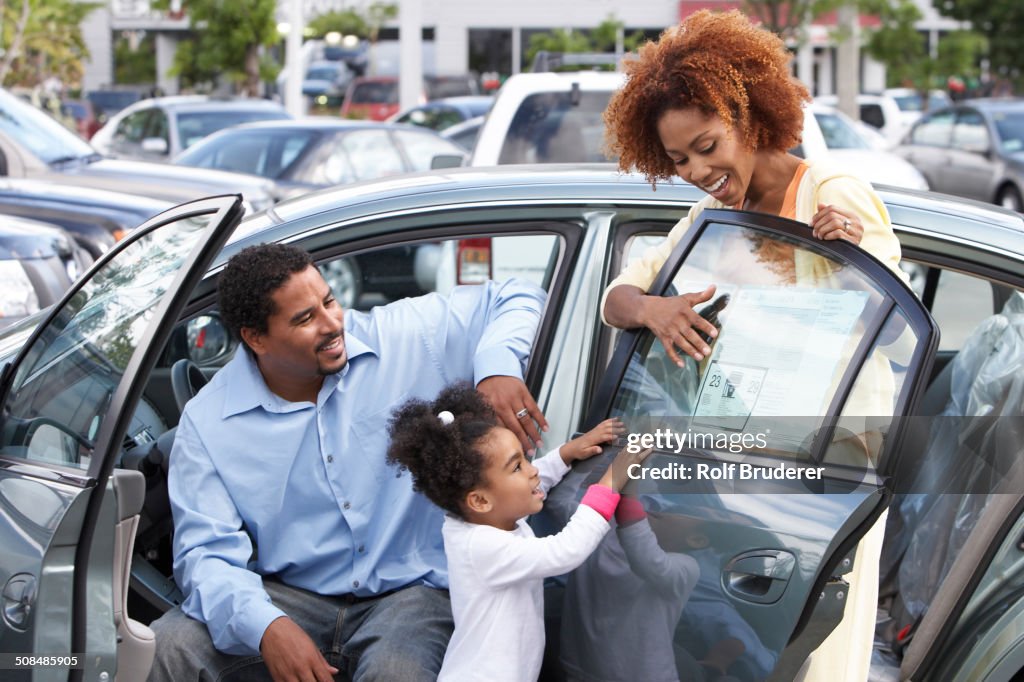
629, 511
261, 615
558, 464
494, 362
601, 499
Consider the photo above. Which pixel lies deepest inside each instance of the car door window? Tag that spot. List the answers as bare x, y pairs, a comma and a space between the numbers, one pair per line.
935, 131
421, 148
132, 127
791, 322
157, 126
372, 154
60, 395
969, 133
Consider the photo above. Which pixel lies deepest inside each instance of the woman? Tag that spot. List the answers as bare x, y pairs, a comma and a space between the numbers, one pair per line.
714, 103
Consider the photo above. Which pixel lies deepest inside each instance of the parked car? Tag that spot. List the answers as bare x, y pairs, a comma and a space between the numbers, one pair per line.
772, 558
38, 262
33, 145
912, 103
96, 219
974, 149
851, 147
440, 114
319, 151
159, 128
326, 82
444, 87
881, 112
111, 100
372, 97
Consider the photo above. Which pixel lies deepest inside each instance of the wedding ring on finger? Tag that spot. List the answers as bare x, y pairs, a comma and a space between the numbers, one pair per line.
522, 413
846, 224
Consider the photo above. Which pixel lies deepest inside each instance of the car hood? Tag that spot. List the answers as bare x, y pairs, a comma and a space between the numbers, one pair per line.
177, 184
879, 167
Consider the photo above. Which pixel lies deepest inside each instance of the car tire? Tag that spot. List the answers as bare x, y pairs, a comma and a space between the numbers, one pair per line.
1009, 197
345, 280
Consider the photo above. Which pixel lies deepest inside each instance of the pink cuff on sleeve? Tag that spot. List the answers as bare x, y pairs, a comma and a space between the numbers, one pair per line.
601, 499
630, 510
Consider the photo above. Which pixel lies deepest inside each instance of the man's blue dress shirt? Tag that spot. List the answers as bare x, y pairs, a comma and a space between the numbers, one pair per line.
261, 486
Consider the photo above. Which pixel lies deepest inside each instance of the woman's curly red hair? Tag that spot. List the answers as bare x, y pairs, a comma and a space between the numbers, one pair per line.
720, 63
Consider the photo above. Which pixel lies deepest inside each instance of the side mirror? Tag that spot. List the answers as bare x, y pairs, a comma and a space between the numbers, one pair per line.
154, 145
447, 161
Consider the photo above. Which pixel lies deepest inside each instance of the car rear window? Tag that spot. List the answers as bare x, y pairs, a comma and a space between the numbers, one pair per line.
557, 127
195, 126
375, 93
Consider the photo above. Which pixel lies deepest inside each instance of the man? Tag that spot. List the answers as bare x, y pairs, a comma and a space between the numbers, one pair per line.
297, 547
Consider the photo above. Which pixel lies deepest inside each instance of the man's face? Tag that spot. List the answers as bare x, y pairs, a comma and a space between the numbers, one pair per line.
305, 338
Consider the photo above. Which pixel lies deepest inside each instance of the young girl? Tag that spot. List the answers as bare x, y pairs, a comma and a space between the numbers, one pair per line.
464, 461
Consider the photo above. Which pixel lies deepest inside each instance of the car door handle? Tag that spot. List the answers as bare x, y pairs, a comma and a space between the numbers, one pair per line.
19, 596
759, 576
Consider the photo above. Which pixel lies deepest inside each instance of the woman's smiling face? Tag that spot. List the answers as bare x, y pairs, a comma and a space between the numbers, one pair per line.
707, 153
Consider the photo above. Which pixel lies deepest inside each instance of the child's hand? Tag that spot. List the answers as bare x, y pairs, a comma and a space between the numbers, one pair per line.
589, 444
617, 474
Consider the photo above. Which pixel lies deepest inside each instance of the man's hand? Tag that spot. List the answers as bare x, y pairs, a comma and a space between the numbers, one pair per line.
589, 444
509, 397
291, 655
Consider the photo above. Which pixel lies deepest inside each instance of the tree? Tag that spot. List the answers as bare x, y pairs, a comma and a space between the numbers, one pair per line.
346, 22
898, 45
42, 38
1001, 22
603, 38
228, 38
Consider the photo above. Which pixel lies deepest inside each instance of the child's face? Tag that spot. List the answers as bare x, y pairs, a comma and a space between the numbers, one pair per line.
511, 482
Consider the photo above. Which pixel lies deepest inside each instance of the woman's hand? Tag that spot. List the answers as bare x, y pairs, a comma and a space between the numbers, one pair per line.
677, 325
831, 223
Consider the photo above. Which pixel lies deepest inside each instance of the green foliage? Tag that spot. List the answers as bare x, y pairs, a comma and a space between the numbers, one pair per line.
135, 65
600, 39
227, 40
902, 49
1001, 22
43, 38
345, 22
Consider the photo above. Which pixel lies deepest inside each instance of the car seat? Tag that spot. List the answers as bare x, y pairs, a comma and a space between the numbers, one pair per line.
944, 518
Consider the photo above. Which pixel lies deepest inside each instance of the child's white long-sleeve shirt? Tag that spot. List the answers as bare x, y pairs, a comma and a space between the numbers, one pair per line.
496, 581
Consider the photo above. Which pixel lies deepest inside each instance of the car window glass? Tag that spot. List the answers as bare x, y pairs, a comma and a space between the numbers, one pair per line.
934, 131
132, 127
372, 154
961, 302
420, 148
838, 133
790, 320
375, 92
157, 126
383, 275
1010, 129
59, 396
194, 126
872, 115
556, 127
969, 133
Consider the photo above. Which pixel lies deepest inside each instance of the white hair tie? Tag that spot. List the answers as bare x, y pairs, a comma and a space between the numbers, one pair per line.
446, 417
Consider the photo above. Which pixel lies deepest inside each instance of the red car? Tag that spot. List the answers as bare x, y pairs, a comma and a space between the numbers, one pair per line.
371, 97
87, 120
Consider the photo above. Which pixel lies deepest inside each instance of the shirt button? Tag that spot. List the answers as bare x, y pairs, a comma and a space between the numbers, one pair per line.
355, 583
347, 505
330, 458
362, 549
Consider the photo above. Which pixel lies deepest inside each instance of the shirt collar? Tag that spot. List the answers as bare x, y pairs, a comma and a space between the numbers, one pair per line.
250, 390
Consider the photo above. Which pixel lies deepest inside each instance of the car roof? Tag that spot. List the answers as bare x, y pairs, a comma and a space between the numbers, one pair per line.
995, 103
983, 225
322, 123
205, 103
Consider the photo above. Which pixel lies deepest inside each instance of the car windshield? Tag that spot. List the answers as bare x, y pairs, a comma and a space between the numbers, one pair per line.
838, 133
44, 137
1010, 128
322, 74
551, 127
375, 93
911, 102
193, 127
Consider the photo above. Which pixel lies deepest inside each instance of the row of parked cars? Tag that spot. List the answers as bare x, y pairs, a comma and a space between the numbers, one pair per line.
91, 389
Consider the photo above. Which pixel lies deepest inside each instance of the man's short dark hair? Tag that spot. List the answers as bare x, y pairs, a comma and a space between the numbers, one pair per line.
250, 279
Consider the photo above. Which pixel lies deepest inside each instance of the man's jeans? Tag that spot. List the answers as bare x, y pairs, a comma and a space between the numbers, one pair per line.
400, 637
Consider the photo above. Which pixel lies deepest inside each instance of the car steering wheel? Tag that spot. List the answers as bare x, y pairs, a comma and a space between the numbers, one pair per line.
186, 380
